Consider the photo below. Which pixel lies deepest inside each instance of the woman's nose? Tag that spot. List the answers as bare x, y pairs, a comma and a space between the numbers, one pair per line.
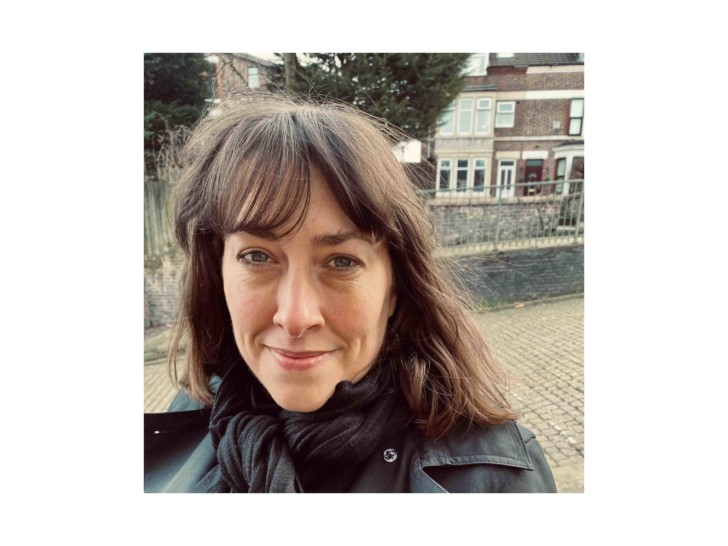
299, 306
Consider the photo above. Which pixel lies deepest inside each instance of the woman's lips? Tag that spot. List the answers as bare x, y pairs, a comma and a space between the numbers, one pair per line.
298, 361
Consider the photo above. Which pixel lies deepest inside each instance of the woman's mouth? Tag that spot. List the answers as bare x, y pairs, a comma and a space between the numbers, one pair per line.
298, 361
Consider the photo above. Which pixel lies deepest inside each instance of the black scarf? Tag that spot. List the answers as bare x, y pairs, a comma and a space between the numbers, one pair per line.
264, 448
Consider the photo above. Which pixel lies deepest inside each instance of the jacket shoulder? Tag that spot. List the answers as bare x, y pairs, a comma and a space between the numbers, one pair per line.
502, 458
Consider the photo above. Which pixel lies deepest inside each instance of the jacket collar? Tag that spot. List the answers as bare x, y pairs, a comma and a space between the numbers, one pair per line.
500, 445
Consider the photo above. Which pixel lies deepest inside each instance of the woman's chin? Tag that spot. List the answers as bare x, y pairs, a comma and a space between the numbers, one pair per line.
301, 403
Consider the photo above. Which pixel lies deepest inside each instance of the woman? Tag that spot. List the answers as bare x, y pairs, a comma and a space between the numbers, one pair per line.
327, 350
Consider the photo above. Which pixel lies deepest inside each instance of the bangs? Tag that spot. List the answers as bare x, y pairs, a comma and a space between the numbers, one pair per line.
262, 176
268, 197
263, 184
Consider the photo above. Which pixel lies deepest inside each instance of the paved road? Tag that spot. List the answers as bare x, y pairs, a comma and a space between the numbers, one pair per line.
541, 345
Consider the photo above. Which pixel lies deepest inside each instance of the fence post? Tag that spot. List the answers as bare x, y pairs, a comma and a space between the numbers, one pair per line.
578, 212
497, 218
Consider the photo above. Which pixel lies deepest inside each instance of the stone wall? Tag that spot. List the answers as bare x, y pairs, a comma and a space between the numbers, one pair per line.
518, 219
523, 275
161, 288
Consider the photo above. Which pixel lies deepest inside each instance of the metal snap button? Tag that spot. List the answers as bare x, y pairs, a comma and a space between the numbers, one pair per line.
390, 455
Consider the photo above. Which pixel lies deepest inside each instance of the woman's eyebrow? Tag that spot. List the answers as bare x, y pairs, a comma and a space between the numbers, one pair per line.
337, 238
256, 232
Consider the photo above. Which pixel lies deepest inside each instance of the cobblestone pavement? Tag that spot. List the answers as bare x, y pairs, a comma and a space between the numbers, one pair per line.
540, 344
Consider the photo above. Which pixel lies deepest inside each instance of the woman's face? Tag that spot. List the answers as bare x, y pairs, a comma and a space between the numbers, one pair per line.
308, 310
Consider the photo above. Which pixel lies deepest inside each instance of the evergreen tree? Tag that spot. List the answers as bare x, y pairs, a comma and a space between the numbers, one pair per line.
175, 88
408, 90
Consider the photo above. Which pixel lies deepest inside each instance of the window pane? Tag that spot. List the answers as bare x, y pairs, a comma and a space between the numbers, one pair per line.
504, 120
577, 108
479, 179
462, 179
575, 126
462, 175
465, 118
484, 104
561, 169
577, 168
483, 122
444, 179
504, 107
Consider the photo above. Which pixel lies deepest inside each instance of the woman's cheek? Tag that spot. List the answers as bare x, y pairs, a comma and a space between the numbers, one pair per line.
242, 299
356, 317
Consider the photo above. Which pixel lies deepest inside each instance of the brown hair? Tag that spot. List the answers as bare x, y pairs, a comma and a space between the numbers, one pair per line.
255, 154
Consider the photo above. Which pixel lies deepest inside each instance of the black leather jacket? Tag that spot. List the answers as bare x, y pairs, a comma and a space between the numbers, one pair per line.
497, 459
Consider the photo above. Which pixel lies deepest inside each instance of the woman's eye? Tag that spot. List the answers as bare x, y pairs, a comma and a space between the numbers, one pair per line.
342, 262
254, 258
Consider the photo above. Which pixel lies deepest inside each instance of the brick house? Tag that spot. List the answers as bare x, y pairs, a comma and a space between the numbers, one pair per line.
236, 72
519, 118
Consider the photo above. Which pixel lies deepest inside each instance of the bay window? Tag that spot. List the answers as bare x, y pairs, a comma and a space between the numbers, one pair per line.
445, 170
462, 175
465, 117
482, 118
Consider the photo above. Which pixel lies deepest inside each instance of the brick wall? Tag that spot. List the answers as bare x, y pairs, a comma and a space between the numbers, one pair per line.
523, 275
537, 117
516, 79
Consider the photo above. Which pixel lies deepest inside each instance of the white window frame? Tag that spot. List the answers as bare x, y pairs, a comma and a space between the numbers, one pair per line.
561, 182
440, 167
458, 169
485, 175
569, 155
469, 130
573, 117
498, 114
487, 109
450, 164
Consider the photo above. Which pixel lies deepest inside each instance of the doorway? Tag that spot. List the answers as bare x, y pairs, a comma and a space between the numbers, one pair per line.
506, 176
533, 175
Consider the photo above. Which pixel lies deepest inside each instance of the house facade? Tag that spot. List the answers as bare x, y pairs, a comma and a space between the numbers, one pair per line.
518, 120
235, 72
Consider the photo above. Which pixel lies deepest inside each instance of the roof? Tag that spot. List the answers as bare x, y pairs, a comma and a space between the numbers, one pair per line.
536, 59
